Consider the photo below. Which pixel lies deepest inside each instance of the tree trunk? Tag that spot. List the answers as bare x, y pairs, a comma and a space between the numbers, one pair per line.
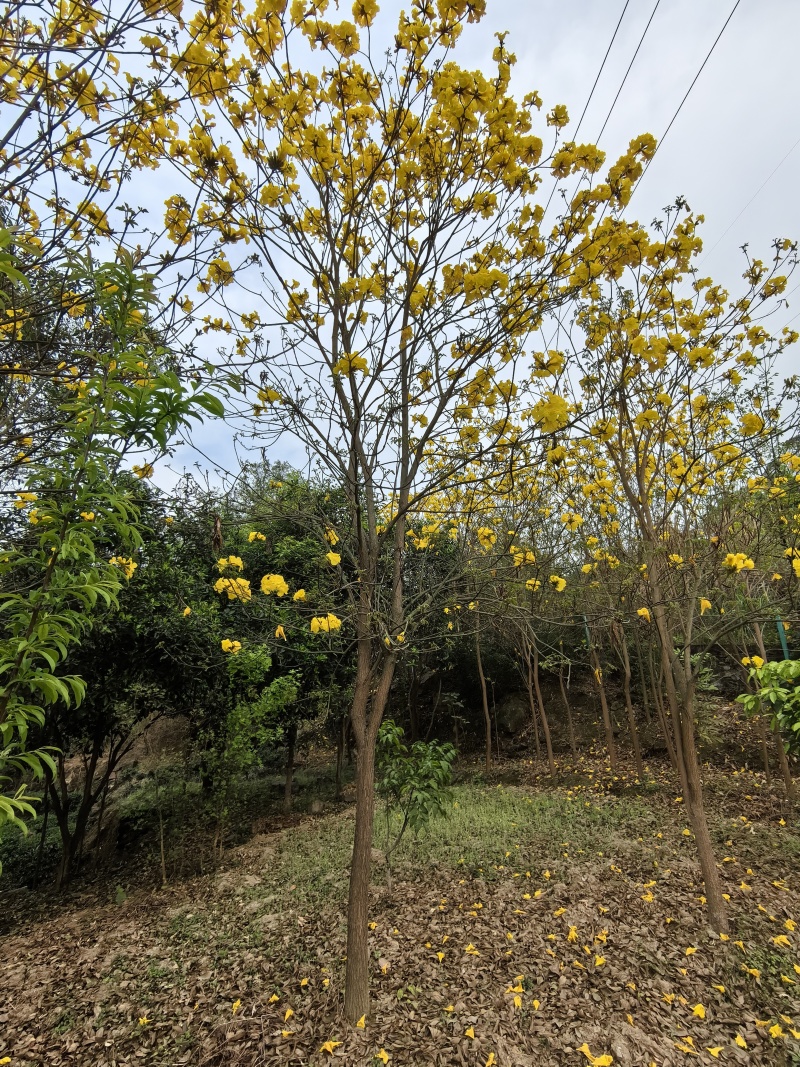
680, 697
339, 756
532, 703
551, 763
484, 695
642, 681
413, 705
666, 732
619, 636
784, 763
567, 706
43, 835
291, 738
607, 725
367, 715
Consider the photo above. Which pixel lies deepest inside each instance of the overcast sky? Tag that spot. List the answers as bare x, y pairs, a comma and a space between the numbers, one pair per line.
740, 122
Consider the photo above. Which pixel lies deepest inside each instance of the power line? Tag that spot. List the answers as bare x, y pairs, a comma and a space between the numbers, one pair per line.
686, 94
627, 72
602, 66
591, 91
752, 198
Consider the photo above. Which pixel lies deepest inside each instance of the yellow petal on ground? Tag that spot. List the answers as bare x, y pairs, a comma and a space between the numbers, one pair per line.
362, 1022
469, 1032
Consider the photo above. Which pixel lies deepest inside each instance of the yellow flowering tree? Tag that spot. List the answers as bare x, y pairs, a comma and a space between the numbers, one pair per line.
389, 205
678, 388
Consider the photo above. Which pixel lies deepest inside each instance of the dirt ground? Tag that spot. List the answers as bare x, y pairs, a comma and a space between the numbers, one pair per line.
549, 952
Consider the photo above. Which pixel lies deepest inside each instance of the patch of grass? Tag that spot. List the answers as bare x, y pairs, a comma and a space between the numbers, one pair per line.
493, 828
485, 829
65, 1022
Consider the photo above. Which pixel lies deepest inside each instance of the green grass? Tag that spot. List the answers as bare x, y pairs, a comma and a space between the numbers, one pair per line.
484, 830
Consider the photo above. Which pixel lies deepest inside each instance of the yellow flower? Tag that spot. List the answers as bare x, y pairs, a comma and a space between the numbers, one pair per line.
470, 1033
383, 1056
236, 1006
230, 561
24, 498
757, 662
273, 583
236, 588
596, 1061
699, 1011
230, 646
533, 584
280, 632
559, 584
143, 1021
187, 611
329, 1046
751, 424
675, 558
254, 535
738, 561
486, 537
126, 565
705, 605
299, 595
143, 471
325, 624
87, 516
643, 613
331, 536
362, 1022
333, 558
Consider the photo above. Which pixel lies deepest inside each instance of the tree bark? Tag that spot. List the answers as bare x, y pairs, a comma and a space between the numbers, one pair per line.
367, 715
607, 725
680, 697
484, 695
532, 703
567, 706
619, 639
291, 738
548, 741
783, 761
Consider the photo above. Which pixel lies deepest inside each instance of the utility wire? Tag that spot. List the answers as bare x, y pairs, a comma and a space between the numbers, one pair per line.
752, 198
686, 94
591, 91
602, 66
627, 72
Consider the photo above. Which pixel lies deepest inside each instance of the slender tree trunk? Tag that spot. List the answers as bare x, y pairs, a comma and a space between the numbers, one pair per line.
607, 724
666, 732
484, 695
551, 763
43, 834
367, 714
681, 706
291, 738
783, 761
413, 705
642, 681
762, 738
532, 703
619, 635
568, 706
339, 756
